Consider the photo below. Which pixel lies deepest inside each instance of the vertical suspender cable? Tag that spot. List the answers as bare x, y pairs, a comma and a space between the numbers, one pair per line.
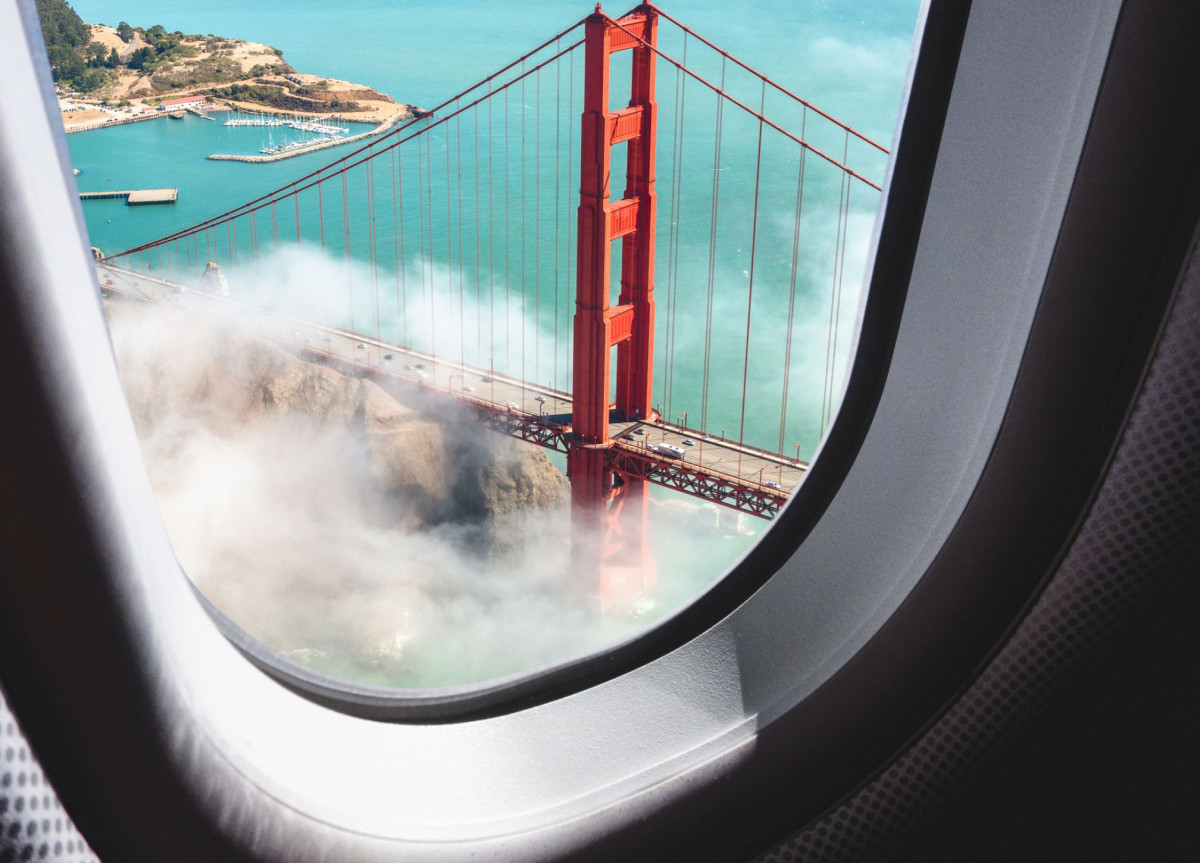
450, 237
523, 173
346, 233
373, 238
396, 268
321, 212
676, 218
478, 250
844, 216
430, 258
421, 217
400, 241
491, 234
422, 141
462, 282
712, 261
308, 306
830, 343
787, 353
507, 246
570, 192
753, 249
537, 224
557, 198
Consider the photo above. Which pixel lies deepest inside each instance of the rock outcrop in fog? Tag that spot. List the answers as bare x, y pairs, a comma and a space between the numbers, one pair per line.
183, 373
341, 527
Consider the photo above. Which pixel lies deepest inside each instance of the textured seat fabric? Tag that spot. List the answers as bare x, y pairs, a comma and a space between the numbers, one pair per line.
33, 825
1078, 741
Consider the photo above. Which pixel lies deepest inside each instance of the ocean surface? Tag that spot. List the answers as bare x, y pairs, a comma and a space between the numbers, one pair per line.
848, 59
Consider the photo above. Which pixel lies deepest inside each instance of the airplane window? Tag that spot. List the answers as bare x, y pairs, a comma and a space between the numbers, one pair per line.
356, 394
725, 711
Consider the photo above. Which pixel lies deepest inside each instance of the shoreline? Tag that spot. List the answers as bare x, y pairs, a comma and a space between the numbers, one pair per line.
106, 124
390, 119
142, 117
303, 95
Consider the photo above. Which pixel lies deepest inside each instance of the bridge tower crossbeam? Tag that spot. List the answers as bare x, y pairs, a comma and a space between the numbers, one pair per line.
609, 511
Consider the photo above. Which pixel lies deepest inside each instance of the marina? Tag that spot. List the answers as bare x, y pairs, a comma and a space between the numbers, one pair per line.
273, 149
312, 124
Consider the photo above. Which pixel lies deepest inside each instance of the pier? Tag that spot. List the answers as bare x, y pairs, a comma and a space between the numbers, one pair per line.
135, 197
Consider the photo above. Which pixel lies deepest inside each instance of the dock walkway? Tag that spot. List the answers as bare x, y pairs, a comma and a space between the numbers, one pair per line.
135, 197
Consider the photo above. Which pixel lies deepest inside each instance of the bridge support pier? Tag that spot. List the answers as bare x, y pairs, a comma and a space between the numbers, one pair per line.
609, 510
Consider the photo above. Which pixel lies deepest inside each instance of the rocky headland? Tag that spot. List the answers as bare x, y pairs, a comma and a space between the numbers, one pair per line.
110, 75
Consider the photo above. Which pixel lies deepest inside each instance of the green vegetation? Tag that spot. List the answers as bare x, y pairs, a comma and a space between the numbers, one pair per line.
274, 96
73, 60
83, 65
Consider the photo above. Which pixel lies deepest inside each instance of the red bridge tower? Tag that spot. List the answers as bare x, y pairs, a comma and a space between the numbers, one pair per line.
609, 510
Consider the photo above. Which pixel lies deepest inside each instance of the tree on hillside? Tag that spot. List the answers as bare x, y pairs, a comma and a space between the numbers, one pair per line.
125, 32
137, 60
61, 26
64, 34
75, 60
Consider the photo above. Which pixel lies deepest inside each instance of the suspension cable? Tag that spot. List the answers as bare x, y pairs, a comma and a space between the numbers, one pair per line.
808, 106
720, 91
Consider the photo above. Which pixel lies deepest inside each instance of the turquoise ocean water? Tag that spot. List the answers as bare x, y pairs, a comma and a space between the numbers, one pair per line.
848, 59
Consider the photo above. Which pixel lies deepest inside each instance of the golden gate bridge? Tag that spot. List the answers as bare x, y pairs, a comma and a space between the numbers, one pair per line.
457, 268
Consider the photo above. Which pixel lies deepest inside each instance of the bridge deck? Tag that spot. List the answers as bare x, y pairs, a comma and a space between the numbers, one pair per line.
744, 477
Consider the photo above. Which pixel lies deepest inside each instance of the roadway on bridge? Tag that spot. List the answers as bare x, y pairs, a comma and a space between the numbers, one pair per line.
689, 448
